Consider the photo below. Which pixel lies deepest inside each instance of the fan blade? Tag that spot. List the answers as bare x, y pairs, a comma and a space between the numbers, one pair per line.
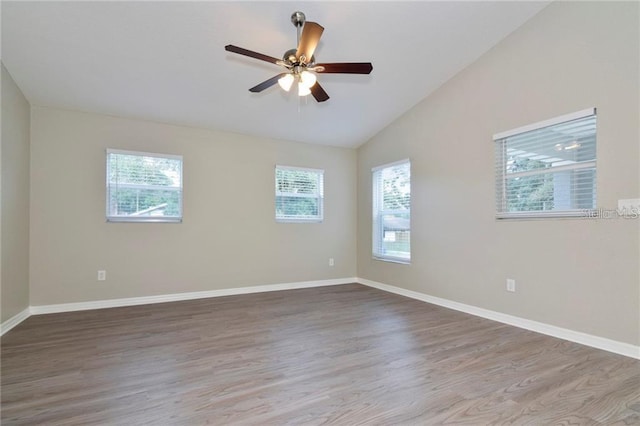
311, 33
318, 92
267, 83
347, 67
251, 54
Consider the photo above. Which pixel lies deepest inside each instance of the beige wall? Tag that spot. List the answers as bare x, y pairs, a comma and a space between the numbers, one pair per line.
14, 211
574, 273
229, 237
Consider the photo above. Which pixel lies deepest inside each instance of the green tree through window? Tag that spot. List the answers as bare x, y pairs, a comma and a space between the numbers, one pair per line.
529, 193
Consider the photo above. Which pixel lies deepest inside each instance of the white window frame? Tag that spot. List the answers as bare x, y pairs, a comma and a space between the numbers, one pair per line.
501, 177
143, 219
319, 196
377, 235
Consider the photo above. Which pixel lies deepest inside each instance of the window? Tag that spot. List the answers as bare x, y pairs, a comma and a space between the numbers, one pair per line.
392, 212
299, 194
547, 169
143, 187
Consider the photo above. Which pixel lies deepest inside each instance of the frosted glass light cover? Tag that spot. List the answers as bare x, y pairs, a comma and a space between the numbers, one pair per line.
303, 90
286, 81
307, 78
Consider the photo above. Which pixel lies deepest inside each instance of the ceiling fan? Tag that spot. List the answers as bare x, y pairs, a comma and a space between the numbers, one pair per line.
300, 63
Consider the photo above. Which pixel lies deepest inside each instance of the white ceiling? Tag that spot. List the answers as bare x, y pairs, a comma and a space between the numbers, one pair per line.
165, 61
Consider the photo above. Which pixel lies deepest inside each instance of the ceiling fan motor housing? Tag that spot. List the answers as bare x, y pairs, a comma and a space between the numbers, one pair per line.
290, 58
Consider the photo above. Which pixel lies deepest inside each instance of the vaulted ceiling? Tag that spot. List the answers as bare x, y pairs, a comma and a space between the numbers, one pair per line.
165, 61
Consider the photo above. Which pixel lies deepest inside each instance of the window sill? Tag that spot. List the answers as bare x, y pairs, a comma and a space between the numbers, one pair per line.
299, 220
145, 220
566, 214
393, 260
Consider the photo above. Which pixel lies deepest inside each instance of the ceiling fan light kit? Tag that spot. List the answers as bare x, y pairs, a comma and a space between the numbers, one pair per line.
300, 64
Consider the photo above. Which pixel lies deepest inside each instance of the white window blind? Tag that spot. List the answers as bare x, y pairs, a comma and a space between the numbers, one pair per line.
547, 169
392, 212
299, 194
143, 187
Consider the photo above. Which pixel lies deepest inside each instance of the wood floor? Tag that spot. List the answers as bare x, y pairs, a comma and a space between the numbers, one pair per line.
346, 355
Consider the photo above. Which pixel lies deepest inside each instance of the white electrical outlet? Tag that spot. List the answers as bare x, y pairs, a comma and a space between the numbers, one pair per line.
102, 275
331, 262
511, 285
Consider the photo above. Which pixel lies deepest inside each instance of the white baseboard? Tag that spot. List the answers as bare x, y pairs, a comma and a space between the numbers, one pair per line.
609, 345
550, 330
162, 298
14, 320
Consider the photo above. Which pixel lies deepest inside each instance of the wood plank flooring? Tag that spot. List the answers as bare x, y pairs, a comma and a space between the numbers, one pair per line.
346, 355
